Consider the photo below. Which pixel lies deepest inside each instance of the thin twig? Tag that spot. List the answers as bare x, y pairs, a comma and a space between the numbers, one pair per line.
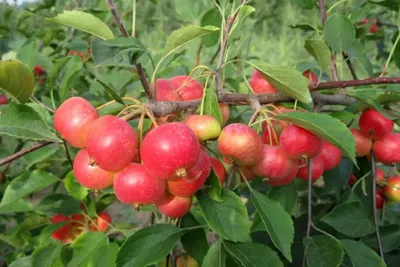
142, 75
41, 104
373, 195
228, 26
24, 152
324, 16
350, 65
197, 62
68, 154
214, 56
309, 204
231, 176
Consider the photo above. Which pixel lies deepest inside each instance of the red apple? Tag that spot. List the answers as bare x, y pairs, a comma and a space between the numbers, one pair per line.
310, 76
317, 169
240, 143
289, 177
387, 149
135, 185
197, 176
78, 221
73, 120
374, 125
112, 143
374, 28
352, 180
267, 134
3, 100
62, 232
259, 84
219, 169
380, 175
274, 165
90, 175
246, 173
330, 155
174, 206
103, 221
186, 87
39, 70
392, 189
165, 92
169, 150
205, 127
225, 112
298, 142
363, 144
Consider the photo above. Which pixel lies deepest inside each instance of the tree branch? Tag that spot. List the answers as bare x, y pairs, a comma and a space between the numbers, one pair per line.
229, 23
309, 205
142, 75
24, 152
353, 83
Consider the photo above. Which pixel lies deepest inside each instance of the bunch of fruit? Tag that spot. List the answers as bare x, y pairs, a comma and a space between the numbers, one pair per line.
78, 224
172, 166
376, 135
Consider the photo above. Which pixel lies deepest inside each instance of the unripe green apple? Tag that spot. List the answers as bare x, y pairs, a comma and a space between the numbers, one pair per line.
205, 127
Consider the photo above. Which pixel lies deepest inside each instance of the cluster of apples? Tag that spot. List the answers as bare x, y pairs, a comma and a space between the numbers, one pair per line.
376, 134
171, 167
78, 224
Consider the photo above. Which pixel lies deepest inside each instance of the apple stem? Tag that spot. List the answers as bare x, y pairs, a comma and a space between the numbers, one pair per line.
350, 65
230, 176
374, 177
309, 204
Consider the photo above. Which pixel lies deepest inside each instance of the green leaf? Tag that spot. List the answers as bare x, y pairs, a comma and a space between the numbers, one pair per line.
286, 195
74, 187
213, 187
350, 219
22, 262
19, 205
84, 248
106, 256
111, 92
307, 4
104, 201
73, 69
85, 22
323, 250
358, 50
361, 255
253, 254
214, 257
286, 80
194, 242
339, 33
338, 176
185, 35
149, 245
213, 18
31, 222
26, 184
60, 203
118, 52
46, 255
210, 104
344, 116
390, 237
13, 240
229, 219
17, 80
326, 127
24, 122
53, 73
320, 51
276, 220
39, 155
28, 54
